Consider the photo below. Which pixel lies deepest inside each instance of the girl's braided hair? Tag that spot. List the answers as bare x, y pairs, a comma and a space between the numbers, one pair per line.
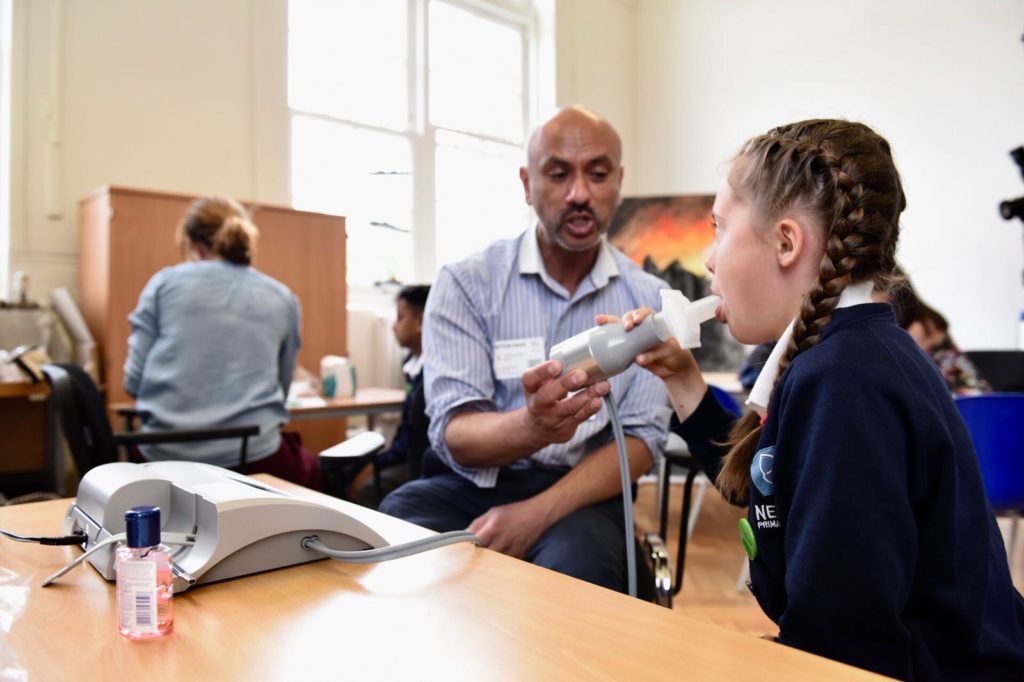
842, 174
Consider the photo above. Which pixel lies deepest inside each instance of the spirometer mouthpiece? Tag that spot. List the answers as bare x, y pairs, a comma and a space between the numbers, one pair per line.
608, 349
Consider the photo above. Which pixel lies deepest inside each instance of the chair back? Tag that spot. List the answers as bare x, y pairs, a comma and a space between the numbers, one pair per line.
82, 416
419, 424
996, 424
726, 400
1002, 369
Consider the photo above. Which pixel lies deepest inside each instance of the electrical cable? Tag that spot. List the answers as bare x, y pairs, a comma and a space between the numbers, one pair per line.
74, 539
366, 556
166, 538
627, 492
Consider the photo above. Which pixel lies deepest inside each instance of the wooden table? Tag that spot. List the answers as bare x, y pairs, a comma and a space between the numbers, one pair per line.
317, 437
366, 401
727, 381
460, 612
31, 456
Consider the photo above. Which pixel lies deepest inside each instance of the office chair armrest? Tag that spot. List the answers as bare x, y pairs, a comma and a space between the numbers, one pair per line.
185, 435
129, 415
366, 443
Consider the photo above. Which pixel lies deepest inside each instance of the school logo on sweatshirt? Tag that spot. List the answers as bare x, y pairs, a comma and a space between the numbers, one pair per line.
761, 471
761, 476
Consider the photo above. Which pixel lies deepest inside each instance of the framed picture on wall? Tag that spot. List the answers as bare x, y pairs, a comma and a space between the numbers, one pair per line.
669, 236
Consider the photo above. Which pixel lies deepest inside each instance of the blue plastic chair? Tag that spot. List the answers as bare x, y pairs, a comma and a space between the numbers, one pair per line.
996, 424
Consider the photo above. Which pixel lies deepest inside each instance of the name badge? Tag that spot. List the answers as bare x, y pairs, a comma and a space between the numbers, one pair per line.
515, 356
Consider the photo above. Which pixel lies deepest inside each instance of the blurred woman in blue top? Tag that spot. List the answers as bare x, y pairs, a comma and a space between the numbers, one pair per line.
213, 344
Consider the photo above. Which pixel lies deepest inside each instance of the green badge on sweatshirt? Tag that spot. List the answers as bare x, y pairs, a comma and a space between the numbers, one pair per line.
747, 537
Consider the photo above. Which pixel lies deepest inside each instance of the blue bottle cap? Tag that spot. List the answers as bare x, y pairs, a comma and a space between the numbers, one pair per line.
142, 526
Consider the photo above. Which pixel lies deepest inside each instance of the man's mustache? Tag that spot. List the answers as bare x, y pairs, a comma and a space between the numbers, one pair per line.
577, 210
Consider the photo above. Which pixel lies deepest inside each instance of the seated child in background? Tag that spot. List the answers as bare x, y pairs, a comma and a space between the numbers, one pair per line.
926, 326
411, 438
930, 331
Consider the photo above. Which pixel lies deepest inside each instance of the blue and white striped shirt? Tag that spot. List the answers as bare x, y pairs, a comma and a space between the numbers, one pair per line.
504, 293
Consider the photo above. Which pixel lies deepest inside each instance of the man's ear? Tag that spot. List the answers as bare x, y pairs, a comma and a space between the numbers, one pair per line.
790, 241
524, 177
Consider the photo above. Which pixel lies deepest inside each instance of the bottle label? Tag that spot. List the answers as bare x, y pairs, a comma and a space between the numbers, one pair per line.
136, 585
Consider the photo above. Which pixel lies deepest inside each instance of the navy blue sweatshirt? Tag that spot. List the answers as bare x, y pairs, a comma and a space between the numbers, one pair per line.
875, 543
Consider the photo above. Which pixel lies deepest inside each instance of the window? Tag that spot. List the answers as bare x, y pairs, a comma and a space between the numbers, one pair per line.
409, 118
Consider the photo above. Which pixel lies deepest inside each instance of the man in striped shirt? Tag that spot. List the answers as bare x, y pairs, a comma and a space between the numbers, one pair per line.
531, 466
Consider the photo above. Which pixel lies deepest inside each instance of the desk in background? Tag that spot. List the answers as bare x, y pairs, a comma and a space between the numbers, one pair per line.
368, 401
31, 457
460, 612
727, 381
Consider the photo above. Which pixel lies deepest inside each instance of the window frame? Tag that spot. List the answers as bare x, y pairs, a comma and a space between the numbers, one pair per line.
421, 133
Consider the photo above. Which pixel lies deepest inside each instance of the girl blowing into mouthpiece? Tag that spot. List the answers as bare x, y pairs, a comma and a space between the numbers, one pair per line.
869, 535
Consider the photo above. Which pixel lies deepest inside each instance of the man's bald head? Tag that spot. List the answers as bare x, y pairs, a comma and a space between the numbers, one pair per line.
573, 177
577, 121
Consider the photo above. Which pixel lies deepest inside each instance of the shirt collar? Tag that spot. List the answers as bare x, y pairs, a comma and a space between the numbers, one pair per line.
413, 366
531, 263
854, 294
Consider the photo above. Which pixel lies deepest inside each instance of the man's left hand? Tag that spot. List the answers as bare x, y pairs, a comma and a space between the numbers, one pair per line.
510, 528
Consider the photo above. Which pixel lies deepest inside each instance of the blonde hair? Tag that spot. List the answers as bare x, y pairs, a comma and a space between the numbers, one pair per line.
843, 175
223, 226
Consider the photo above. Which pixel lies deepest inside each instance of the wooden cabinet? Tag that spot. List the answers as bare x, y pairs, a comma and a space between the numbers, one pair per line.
127, 235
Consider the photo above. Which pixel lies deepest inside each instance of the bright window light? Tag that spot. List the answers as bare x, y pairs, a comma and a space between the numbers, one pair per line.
349, 59
413, 146
479, 194
366, 176
476, 73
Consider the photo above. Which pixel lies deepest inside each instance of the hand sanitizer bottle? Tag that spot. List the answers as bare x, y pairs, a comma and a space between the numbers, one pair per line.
144, 580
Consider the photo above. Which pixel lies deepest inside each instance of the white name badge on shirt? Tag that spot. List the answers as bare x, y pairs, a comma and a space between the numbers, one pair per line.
515, 356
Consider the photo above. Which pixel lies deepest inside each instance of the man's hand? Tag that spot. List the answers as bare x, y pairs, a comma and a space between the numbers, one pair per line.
552, 414
511, 528
666, 360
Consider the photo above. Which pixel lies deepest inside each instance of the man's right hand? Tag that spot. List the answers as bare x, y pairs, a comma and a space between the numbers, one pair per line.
552, 413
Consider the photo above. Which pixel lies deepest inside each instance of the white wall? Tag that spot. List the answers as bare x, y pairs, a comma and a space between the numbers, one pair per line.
943, 80
596, 66
162, 95
189, 96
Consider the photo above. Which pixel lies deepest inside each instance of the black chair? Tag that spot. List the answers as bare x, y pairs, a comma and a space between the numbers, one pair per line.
83, 418
687, 461
1002, 369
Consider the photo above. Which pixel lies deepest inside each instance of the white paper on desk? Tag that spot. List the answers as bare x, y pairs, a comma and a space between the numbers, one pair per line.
305, 401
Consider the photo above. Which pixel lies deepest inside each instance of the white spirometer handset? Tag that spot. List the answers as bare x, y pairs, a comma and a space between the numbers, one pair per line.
608, 349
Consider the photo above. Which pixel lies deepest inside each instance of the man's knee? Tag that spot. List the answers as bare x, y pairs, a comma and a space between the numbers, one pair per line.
404, 500
588, 545
426, 503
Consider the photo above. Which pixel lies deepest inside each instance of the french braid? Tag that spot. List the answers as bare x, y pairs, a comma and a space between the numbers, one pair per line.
842, 174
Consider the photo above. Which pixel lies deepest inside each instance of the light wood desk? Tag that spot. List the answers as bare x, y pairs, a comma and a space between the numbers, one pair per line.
31, 457
727, 381
367, 401
460, 612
